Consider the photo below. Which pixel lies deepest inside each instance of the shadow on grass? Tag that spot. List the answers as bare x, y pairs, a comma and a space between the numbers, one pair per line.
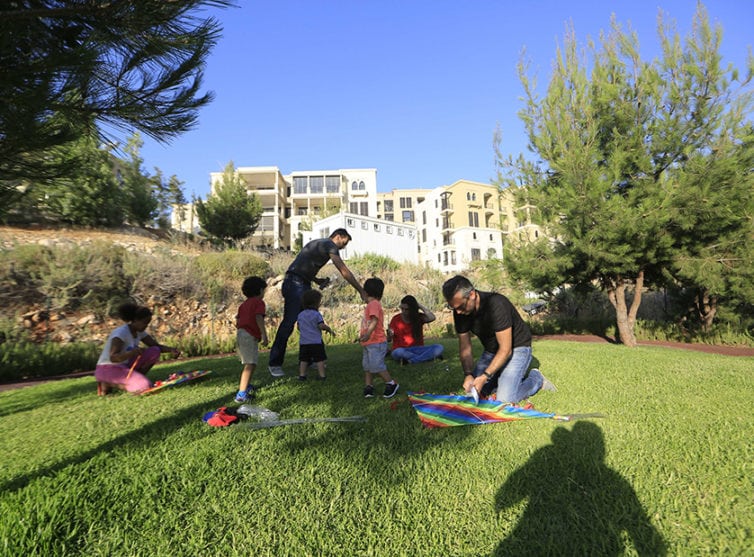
576, 504
28, 399
147, 435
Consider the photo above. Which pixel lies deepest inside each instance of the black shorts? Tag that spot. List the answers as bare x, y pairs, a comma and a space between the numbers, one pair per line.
311, 353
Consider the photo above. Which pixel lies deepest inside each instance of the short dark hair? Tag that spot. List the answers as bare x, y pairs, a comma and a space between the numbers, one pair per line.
341, 232
311, 299
253, 286
453, 285
130, 311
374, 287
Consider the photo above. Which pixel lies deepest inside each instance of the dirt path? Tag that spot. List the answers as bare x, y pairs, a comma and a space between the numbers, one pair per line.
708, 348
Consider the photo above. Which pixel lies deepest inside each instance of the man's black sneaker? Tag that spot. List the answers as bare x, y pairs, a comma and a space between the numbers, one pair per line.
368, 391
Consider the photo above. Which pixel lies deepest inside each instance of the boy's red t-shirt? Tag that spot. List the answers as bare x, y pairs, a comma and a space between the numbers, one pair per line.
246, 318
374, 309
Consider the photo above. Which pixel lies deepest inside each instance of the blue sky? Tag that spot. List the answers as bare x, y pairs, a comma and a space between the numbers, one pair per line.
413, 88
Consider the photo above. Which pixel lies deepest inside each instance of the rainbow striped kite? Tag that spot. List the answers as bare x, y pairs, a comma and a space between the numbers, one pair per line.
452, 410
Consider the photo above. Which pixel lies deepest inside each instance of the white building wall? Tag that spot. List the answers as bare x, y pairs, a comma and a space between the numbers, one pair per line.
370, 235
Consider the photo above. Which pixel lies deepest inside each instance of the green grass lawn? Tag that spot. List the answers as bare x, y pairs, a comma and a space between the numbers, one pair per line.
669, 468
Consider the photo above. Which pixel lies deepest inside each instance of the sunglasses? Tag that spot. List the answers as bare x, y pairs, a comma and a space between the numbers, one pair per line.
463, 305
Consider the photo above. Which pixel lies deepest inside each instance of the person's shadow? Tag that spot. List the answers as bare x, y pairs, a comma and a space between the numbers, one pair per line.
576, 504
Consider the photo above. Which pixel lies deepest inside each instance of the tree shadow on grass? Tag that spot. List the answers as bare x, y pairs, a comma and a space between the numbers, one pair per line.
576, 504
150, 433
28, 399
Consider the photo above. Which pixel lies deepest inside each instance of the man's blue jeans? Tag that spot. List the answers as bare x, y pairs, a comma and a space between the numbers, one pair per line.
513, 381
293, 289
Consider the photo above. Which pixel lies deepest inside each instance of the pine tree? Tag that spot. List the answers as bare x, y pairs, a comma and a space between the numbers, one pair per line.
230, 213
125, 65
614, 136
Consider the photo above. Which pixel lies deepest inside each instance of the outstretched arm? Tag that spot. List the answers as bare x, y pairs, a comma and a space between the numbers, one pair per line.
348, 275
149, 341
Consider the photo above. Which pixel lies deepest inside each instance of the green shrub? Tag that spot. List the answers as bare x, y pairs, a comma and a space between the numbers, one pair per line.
231, 265
21, 360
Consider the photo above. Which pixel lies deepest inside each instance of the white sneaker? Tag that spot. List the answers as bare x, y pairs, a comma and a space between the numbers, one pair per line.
548, 385
276, 371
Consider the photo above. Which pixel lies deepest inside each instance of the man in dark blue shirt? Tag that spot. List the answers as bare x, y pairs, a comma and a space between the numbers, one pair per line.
298, 278
505, 337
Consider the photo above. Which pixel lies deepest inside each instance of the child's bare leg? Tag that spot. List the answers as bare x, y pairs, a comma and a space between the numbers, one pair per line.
248, 371
302, 368
321, 368
386, 376
367, 379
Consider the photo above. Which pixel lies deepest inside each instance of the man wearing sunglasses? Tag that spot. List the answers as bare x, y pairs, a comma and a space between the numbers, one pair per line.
505, 337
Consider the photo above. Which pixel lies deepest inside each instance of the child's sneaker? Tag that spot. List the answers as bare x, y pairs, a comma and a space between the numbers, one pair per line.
242, 396
368, 391
390, 390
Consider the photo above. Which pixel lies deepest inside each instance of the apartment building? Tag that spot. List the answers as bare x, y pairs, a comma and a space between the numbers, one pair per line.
400, 205
315, 195
458, 224
446, 228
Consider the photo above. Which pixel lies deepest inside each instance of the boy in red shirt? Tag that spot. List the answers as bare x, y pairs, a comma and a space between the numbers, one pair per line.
374, 340
250, 333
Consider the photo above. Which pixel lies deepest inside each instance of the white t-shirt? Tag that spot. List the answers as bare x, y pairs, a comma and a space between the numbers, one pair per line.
130, 342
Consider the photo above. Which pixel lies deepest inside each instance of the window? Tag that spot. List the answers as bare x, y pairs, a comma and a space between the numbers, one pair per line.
377, 227
364, 208
354, 186
445, 258
301, 211
476, 254
299, 184
452, 258
400, 232
424, 217
424, 236
470, 196
325, 232
473, 219
405, 202
388, 229
364, 225
491, 238
353, 207
349, 223
332, 184
408, 216
390, 217
473, 235
362, 185
317, 184
388, 205
411, 234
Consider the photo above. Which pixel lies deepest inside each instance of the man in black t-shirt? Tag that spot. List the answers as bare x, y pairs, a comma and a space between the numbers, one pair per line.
506, 340
298, 278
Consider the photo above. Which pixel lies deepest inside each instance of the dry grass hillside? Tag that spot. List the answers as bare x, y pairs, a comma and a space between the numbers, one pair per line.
178, 315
